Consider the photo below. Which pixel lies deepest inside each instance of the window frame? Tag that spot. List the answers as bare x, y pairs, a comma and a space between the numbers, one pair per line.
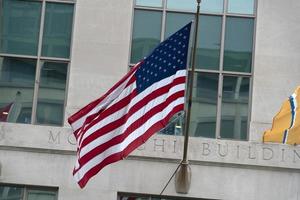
40, 59
220, 72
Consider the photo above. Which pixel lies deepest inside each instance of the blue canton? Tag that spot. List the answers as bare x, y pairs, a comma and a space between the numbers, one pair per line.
165, 60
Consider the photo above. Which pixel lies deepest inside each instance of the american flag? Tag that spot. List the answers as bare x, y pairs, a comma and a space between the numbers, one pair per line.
135, 108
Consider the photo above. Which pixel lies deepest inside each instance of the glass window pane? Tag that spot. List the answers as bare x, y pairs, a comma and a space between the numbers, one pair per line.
238, 44
41, 195
241, 6
235, 101
208, 47
51, 95
11, 193
16, 89
204, 105
215, 6
209, 42
57, 30
175, 21
19, 26
146, 33
151, 3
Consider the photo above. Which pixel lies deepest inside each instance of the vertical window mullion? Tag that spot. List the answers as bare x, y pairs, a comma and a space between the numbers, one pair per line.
38, 64
163, 24
220, 86
219, 106
24, 194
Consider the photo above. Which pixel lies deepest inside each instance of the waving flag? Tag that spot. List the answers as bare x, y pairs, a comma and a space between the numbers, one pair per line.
135, 108
286, 124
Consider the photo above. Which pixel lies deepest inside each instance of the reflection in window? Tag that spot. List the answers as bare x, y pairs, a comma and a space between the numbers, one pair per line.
11, 193
19, 26
16, 89
51, 93
208, 47
238, 44
241, 6
146, 33
41, 195
215, 6
204, 106
57, 30
235, 101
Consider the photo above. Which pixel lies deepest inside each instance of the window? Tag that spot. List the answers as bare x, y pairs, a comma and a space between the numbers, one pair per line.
224, 57
152, 197
35, 38
15, 192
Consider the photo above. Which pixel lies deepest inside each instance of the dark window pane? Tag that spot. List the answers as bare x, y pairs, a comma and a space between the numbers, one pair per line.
51, 95
204, 105
11, 193
191, 5
241, 6
235, 101
41, 195
146, 33
57, 30
208, 47
19, 26
152, 3
174, 126
238, 44
16, 89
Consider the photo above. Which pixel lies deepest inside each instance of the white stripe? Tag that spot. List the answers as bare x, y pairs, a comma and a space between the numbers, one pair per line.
120, 130
120, 113
121, 146
106, 101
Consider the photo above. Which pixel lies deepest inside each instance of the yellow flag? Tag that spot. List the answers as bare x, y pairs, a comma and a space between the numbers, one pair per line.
286, 124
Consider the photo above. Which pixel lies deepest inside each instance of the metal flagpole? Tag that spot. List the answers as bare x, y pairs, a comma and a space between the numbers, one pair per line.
183, 175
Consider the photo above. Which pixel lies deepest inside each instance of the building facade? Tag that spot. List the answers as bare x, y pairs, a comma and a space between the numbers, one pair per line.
58, 55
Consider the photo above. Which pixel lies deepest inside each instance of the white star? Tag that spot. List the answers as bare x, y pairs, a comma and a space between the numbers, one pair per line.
178, 60
178, 51
165, 70
155, 74
165, 61
174, 57
169, 64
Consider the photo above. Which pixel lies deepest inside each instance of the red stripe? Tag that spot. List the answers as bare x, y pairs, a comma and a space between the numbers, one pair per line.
85, 110
132, 146
138, 123
117, 123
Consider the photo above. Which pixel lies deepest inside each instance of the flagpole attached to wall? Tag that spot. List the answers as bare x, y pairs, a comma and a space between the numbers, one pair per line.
183, 175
